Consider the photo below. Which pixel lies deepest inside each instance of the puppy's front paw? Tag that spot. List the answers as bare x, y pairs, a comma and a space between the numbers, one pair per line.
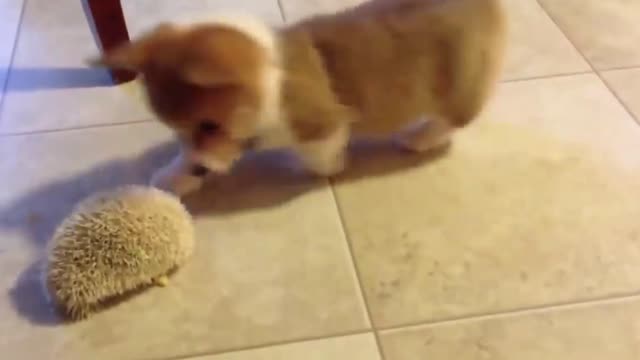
180, 184
328, 167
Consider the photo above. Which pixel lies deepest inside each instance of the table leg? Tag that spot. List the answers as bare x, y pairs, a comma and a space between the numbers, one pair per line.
109, 29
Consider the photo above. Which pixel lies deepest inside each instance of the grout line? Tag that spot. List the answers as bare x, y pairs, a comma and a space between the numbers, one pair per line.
264, 345
283, 13
443, 322
5, 86
73, 128
516, 312
615, 94
542, 77
616, 68
595, 70
356, 268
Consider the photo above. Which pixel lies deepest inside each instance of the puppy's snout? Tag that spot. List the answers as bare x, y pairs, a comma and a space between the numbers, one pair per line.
204, 164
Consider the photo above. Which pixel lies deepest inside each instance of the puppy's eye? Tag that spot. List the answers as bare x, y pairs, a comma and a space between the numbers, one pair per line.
208, 128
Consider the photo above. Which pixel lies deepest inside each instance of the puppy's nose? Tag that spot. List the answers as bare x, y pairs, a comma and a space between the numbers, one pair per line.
199, 170
251, 144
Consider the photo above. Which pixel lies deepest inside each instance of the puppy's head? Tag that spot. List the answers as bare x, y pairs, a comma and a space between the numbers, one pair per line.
208, 82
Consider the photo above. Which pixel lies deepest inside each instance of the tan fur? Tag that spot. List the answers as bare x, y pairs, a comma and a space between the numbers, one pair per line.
114, 243
393, 62
374, 70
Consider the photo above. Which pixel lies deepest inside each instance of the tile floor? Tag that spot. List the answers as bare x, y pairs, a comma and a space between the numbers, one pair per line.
522, 243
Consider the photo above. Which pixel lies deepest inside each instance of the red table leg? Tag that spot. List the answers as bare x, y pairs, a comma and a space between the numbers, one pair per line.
110, 30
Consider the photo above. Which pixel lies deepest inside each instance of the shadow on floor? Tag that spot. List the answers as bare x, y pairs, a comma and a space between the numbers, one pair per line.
29, 299
23, 79
37, 213
269, 179
260, 181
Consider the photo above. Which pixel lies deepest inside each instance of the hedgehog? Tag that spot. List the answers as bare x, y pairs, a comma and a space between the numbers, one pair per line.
116, 243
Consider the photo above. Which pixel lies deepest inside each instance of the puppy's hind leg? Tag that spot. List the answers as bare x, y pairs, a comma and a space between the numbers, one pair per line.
426, 136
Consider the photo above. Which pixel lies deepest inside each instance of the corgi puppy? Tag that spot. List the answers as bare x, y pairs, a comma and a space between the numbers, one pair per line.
412, 70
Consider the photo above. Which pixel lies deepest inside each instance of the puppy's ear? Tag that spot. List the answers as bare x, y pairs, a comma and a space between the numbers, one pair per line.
133, 55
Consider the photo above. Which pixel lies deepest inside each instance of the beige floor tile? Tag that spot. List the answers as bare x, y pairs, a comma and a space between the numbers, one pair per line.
50, 72
48, 173
536, 46
626, 84
262, 273
357, 347
144, 14
50, 86
9, 20
607, 32
531, 206
610, 331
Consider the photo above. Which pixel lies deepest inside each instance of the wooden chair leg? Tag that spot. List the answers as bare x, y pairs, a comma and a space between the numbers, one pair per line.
109, 29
